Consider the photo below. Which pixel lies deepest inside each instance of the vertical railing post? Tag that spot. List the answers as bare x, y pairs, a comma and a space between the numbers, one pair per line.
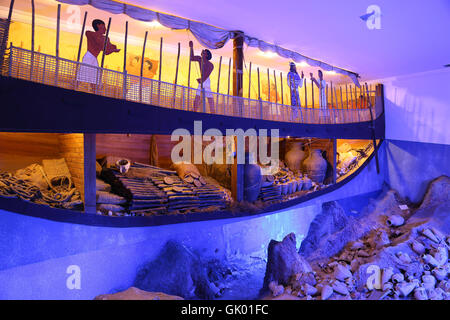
176, 77
124, 85
203, 100
218, 86
306, 100
160, 69
43, 69
334, 160
259, 96
32, 38
182, 97
142, 67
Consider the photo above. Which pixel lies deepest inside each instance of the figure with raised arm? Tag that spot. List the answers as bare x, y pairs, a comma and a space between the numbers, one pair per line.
294, 82
206, 67
95, 44
322, 85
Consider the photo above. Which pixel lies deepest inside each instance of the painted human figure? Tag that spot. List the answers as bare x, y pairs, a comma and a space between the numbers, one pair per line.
206, 67
294, 82
322, 85
95, 44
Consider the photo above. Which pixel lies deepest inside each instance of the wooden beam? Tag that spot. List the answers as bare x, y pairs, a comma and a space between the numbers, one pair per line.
238, 57
374, 141
90, 201
346, 94
189, 82
218, 84
178, 62
229, 82
175, 82
125, 48
334, 160
281, 86
81, 37
58, 28
32, 37
261, 113
142, 66
105, 43
160, 68
124, 81
249, 80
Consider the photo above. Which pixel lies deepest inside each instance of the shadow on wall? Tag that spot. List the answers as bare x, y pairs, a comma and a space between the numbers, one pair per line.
418, 106
411, 166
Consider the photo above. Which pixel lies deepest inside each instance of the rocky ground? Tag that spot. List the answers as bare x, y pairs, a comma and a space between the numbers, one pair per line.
390, 250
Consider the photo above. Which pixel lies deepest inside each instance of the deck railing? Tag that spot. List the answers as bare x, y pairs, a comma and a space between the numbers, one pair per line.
50, 70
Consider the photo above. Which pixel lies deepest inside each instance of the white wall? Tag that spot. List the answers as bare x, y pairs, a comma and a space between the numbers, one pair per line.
418, 107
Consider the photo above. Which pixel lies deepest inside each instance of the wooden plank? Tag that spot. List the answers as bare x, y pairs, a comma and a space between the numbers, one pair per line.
89, 173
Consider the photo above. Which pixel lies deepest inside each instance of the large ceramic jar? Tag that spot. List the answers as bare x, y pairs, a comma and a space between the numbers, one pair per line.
295, 156
315, 166
252, 179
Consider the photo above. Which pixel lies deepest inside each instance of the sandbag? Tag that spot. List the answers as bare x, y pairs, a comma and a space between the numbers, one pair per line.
33, 174
183, 169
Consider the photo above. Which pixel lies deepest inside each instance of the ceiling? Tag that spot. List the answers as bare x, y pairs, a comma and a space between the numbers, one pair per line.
413, 36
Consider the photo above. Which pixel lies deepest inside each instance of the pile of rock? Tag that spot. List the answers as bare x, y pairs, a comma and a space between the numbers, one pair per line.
390, 252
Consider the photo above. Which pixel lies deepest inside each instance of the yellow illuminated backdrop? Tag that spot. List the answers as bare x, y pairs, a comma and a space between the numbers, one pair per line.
71, 25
